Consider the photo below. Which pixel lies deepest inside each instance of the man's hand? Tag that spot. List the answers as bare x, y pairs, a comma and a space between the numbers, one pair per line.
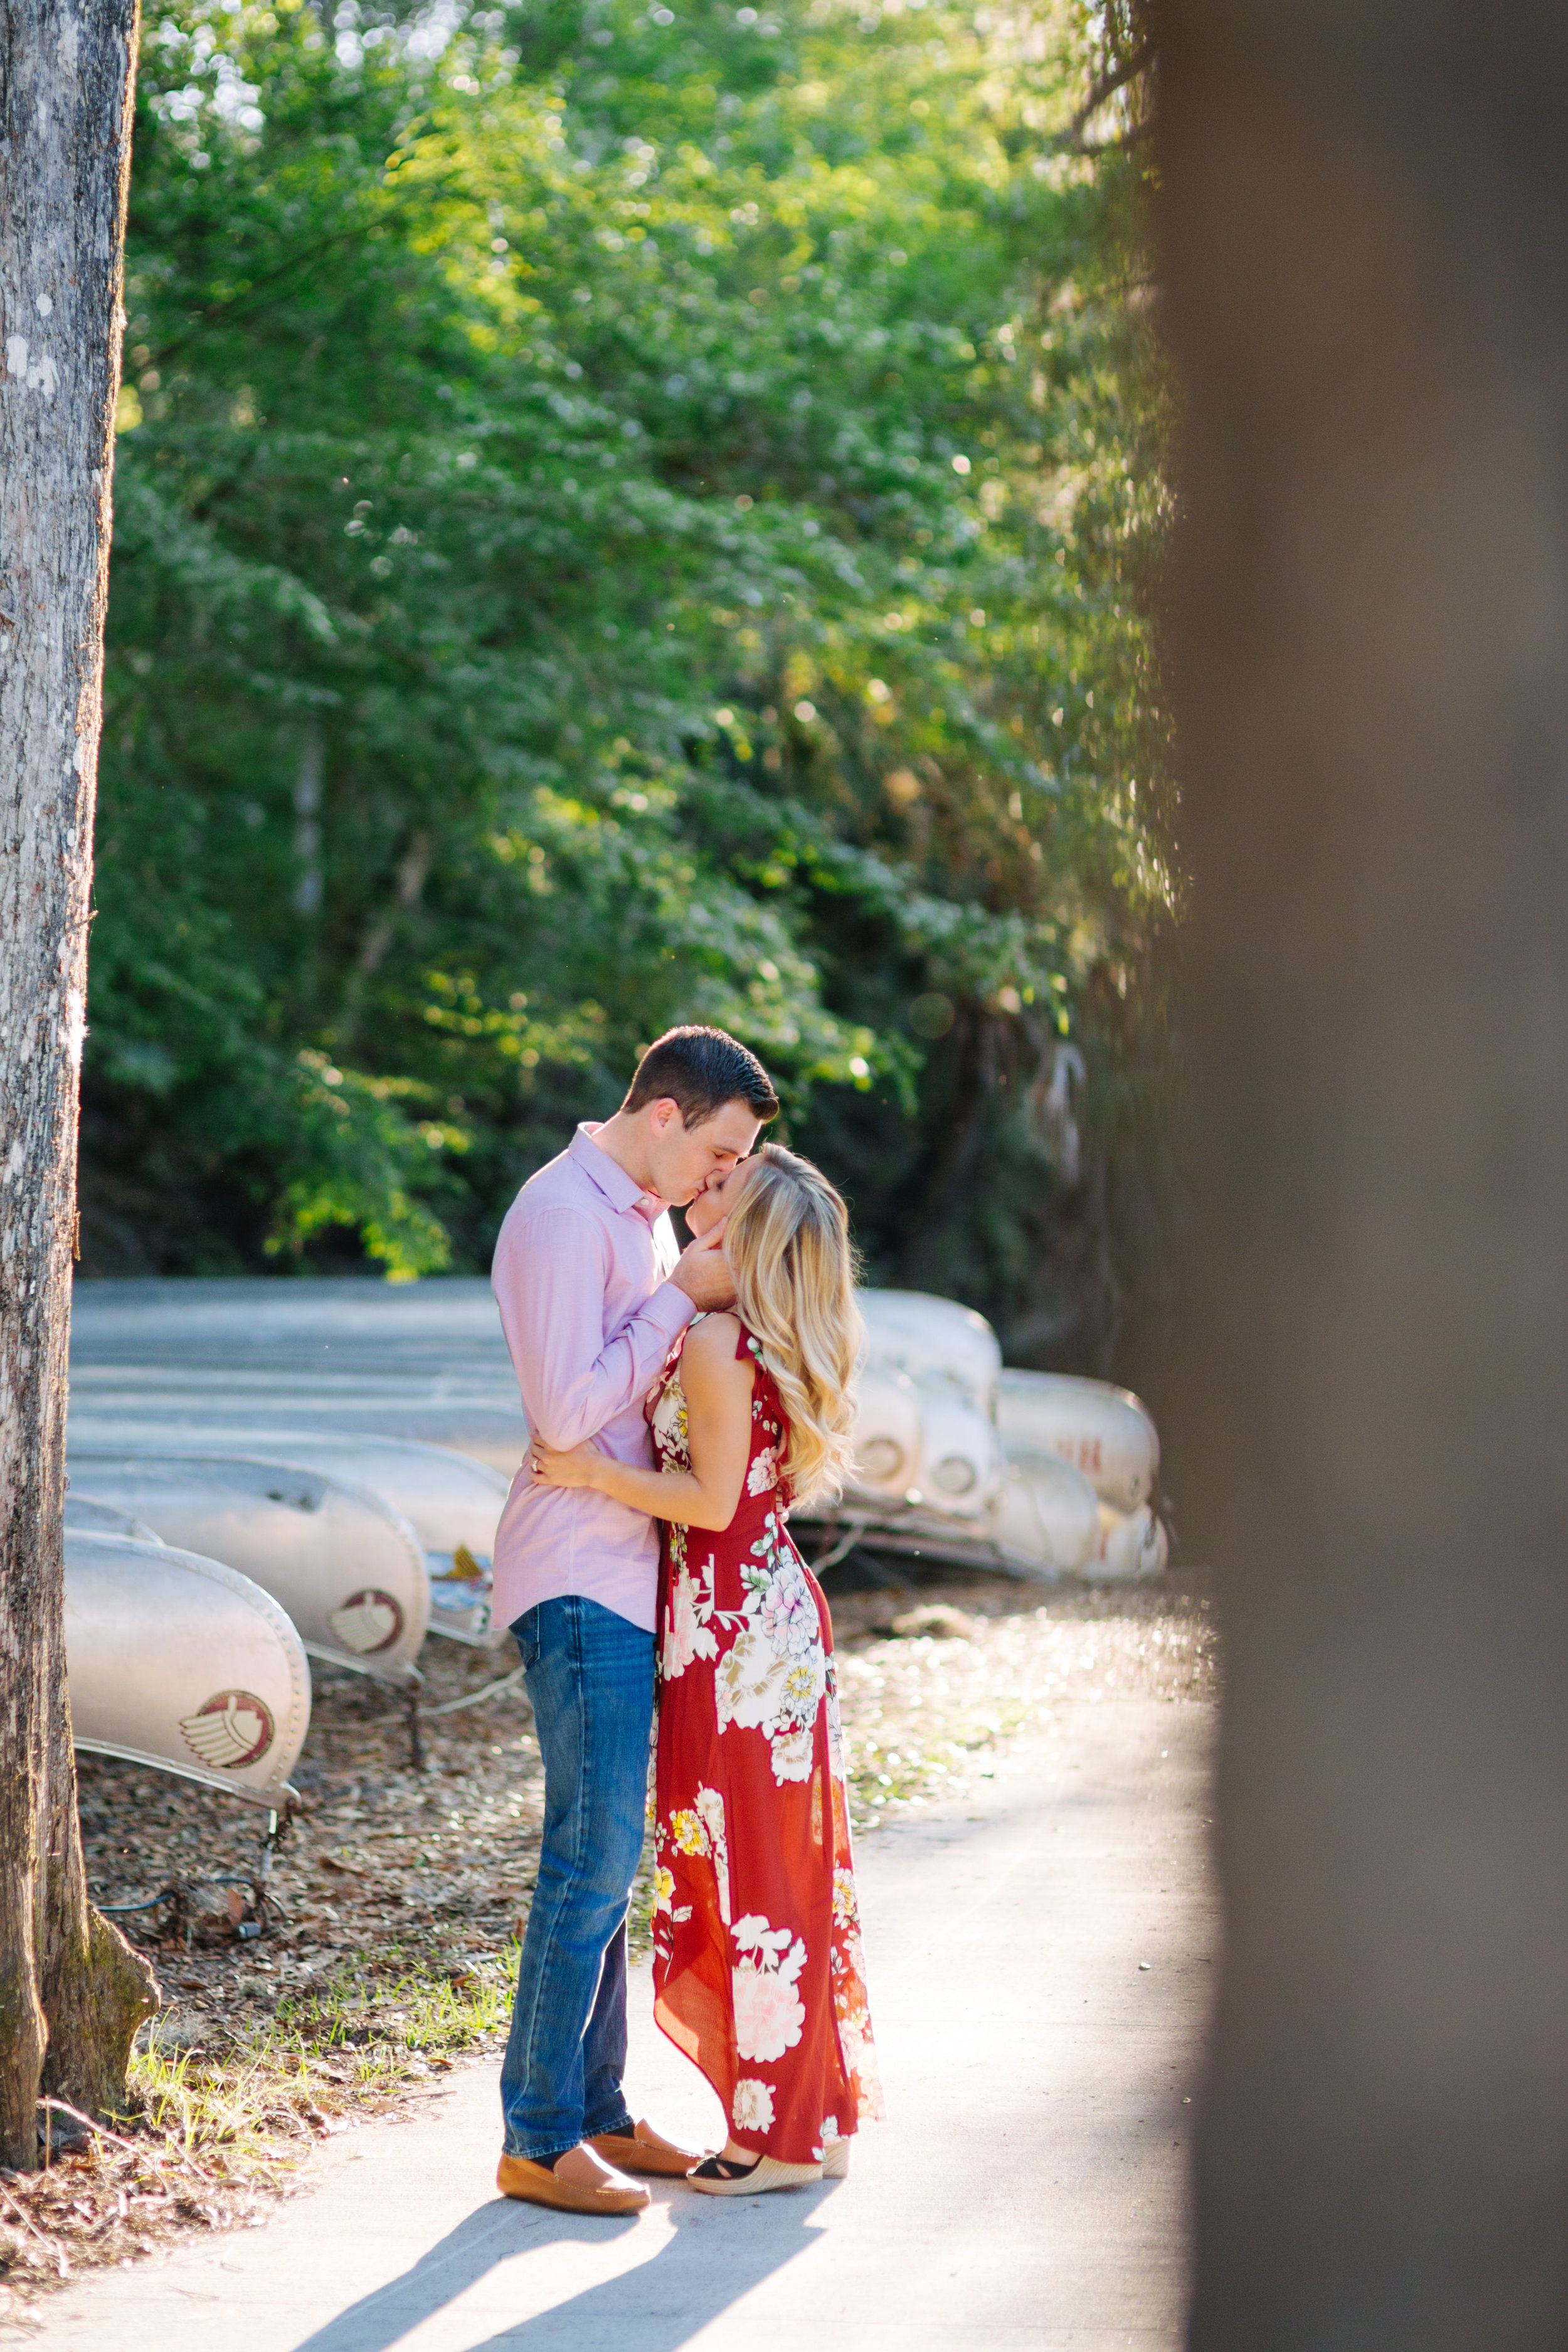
579, 1467
703, 1272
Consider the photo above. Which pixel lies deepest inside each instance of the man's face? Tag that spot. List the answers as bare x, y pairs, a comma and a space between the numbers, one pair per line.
682, 1159
717, 1197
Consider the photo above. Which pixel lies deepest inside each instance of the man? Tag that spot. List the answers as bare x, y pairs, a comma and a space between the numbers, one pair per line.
592, 1298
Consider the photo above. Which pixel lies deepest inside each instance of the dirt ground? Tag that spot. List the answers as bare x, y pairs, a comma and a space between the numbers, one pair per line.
388, 1945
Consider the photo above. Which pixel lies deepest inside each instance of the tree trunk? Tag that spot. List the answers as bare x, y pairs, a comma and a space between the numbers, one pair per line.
1366, 229
72, 1990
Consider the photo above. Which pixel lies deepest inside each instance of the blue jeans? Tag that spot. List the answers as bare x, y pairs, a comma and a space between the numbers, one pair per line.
589, 1675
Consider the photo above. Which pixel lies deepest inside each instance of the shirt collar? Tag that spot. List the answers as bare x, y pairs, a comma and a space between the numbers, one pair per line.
610, 1177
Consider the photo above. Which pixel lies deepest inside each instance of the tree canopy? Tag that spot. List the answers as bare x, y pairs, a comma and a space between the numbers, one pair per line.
625, 515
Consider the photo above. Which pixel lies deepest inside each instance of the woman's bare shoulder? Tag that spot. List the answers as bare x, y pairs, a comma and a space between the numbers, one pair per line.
715, 1362
712, 1342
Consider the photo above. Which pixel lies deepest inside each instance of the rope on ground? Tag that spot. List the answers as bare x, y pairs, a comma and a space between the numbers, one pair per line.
472, 1698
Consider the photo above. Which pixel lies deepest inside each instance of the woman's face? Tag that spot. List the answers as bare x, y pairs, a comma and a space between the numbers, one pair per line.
717, 1197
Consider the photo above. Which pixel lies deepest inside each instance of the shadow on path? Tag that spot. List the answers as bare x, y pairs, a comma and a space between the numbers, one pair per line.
697, 2273
707, 2265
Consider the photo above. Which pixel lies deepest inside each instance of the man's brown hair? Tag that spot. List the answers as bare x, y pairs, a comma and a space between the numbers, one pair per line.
701, 1070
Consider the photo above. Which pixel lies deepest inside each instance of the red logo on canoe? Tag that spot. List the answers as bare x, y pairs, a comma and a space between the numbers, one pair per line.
229, 1730
367, 1621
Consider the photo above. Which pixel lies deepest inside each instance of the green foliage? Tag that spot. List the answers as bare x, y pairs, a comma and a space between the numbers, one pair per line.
623, 515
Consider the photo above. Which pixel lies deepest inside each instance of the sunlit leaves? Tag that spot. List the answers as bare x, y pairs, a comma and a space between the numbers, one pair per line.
646, 509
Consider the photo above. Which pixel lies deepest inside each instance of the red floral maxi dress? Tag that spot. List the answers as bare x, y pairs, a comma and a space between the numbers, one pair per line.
759, 1976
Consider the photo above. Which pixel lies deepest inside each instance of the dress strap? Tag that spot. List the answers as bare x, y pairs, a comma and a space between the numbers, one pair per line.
748, 1344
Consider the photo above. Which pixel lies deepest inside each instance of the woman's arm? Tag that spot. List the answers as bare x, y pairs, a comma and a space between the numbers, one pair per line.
717, 1386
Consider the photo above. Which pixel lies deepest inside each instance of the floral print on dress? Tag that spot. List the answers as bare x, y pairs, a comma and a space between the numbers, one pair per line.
701, 1830
769, 2013
850, 1984
688, 1630
773, 1675
759, 1970
753, 2106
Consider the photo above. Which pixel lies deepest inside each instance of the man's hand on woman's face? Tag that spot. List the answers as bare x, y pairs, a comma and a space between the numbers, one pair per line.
576, 1468
703, 1272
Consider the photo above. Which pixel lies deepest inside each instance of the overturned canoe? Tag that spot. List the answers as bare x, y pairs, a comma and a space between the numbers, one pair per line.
1042, 1521
961, 1463
443, 1325
425, 1360
484, 1423
84, 1516
925, 1440
929, 1337
452, 1502
888, 1438
1047, 1518
1105, 1432
954, 1458
920, 1441
177, 1662
347, 1569
1131, 1547
950, 1356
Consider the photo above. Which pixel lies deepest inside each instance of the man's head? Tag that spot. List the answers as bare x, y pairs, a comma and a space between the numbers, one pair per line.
698, 1101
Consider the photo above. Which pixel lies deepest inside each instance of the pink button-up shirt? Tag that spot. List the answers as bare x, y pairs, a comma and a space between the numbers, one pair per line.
581, 1277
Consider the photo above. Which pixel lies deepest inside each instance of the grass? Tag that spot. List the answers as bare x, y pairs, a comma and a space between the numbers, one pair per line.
208, 2135
356, 2042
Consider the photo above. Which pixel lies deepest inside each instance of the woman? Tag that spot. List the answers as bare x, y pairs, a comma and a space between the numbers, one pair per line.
758, 1970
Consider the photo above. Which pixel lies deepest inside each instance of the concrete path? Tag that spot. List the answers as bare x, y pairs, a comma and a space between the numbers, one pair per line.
1041, 1964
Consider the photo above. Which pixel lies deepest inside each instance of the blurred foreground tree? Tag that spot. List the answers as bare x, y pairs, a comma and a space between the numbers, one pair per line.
1366, 217
628, 515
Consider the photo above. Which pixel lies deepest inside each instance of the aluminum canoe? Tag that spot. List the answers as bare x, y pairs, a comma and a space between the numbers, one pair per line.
346, 1567
1106, 1431
933, 1338
180, 1663
452, 1502
1131, 1547
424, 1360
86, 1518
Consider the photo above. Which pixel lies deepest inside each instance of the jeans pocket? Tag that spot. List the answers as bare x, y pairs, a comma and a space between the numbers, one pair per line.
525, 1633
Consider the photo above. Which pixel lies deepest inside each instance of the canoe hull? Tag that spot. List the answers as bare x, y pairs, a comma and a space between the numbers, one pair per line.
452, 1504
1048, 1517
1105, 1432
1131, 1547
346, 1569
888, 1438
178, 1663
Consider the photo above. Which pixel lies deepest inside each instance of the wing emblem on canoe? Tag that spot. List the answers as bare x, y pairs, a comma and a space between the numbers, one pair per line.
231, 1729
367, 1621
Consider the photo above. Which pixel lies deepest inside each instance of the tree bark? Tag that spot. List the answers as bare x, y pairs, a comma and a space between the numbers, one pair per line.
72, 1990
1366, 226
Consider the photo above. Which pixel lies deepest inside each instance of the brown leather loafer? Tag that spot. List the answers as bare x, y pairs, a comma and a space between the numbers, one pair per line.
580, 2183
645, 2151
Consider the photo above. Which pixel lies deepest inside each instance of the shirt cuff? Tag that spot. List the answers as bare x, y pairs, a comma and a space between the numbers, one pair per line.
670, 1308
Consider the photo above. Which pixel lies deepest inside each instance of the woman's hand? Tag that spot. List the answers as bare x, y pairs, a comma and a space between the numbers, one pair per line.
580, 1467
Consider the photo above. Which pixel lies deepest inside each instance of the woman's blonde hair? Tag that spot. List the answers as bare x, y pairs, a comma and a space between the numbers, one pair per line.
787, 1242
